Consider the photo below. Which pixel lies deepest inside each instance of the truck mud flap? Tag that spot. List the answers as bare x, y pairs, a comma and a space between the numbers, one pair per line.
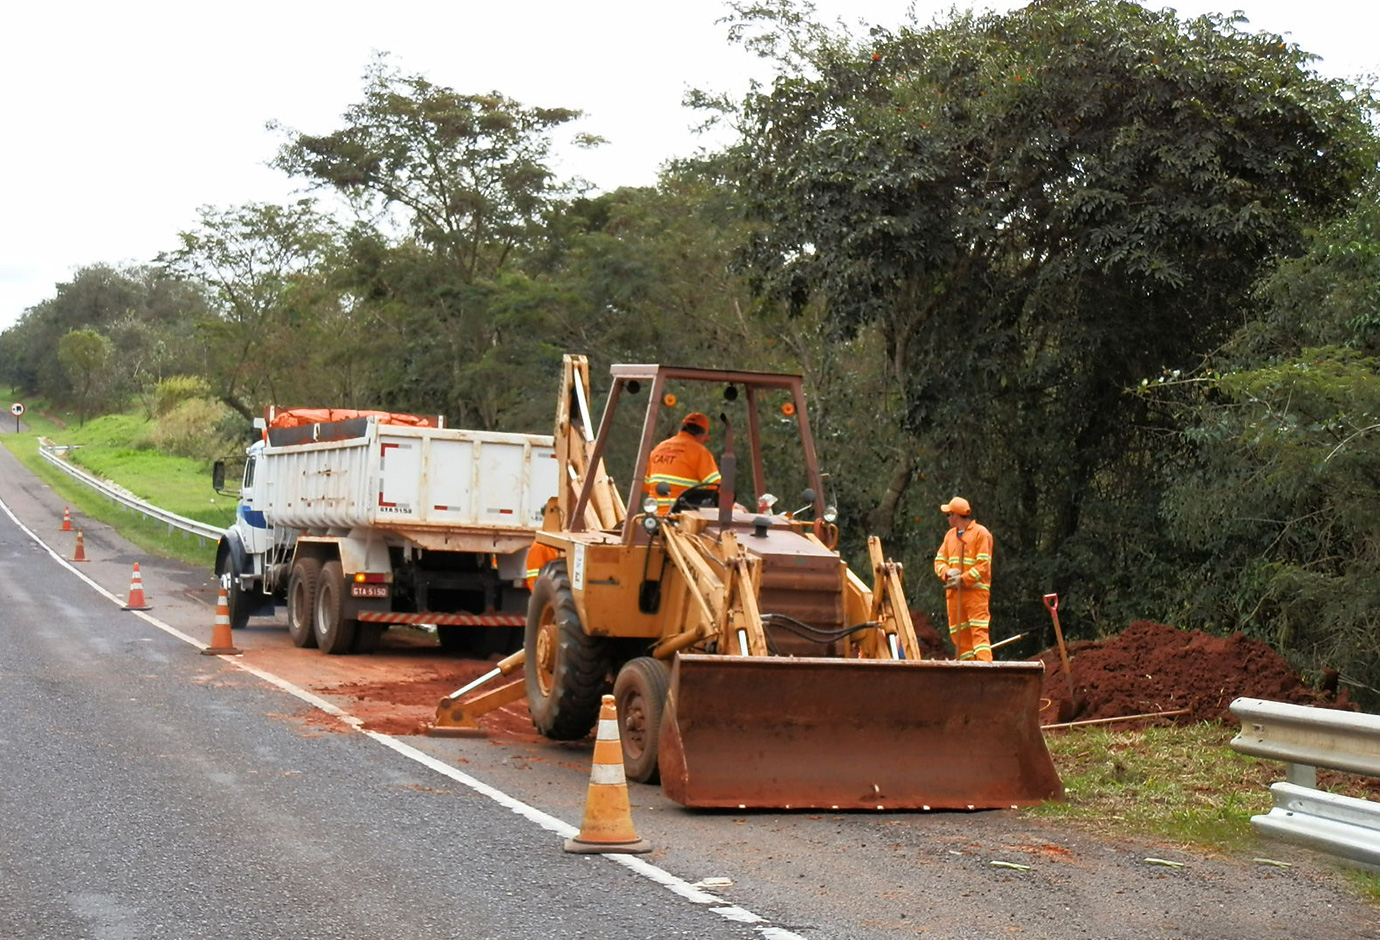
824, 733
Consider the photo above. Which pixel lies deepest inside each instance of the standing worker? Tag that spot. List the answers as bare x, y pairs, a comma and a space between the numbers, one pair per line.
681, 462
964, 564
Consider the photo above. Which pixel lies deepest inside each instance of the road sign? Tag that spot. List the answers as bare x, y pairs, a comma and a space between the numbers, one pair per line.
17, 408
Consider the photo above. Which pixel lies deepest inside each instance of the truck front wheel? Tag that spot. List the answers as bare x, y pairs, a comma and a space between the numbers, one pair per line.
239, 602
334, 634
301, 601
566, 669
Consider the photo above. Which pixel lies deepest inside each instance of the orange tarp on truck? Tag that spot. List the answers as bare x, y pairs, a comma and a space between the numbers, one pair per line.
297, 417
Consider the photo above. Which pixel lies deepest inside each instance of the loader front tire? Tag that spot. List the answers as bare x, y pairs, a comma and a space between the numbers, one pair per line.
301, 601
334, 634
639, 693
566, 669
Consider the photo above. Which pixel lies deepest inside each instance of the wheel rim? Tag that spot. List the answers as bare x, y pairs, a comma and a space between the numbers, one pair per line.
299, 609
318, 620
633, 711
546, 652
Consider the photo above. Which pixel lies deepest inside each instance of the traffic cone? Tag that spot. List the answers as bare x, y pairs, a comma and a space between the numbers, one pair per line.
66, 519
80, 553
607, 826
221, 640
136, 592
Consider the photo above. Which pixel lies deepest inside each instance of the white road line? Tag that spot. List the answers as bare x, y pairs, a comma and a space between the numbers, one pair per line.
564, 830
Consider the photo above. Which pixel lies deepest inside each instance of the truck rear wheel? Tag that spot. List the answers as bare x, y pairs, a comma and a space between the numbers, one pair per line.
301, 601
566, 669
639, 693
334, 634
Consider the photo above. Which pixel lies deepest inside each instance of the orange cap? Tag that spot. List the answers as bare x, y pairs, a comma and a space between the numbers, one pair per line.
959, 505
698, 420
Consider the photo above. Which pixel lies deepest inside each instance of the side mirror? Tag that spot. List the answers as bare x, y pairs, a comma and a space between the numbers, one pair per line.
218, 476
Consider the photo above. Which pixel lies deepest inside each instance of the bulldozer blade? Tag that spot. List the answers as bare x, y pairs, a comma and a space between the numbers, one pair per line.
824, 733
457, 719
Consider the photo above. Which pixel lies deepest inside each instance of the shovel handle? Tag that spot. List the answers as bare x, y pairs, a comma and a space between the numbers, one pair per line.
1052, 602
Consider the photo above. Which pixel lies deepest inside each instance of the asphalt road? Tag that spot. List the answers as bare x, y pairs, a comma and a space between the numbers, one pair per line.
150, 791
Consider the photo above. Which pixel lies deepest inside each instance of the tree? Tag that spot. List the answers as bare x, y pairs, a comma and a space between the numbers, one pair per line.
84, 353
468, 172
266, 269
1277, 514
464, 178
1032, 211
147, 315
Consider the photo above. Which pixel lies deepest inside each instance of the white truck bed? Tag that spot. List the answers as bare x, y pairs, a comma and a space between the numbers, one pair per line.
443, 488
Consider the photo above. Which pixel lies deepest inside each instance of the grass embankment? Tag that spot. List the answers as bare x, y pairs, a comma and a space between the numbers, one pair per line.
103, 448
1183, 785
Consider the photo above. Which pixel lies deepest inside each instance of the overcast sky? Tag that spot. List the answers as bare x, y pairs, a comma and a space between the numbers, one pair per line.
122, 118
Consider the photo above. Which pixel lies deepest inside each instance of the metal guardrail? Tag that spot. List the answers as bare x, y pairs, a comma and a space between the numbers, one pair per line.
1305, 739
172, 520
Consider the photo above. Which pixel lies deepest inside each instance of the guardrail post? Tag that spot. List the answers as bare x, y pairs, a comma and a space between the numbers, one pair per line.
1301, 775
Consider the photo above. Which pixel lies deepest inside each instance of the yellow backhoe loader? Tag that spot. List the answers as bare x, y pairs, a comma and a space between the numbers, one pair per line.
751, 666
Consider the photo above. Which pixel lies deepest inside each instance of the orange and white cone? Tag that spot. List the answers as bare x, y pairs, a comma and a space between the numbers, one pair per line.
136, 599
607, 826
222, 642
80, 553
66, 519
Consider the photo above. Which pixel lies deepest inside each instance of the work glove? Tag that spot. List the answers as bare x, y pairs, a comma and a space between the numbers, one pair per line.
952, 578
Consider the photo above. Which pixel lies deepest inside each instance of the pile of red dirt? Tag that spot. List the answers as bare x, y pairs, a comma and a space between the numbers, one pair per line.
1151, 667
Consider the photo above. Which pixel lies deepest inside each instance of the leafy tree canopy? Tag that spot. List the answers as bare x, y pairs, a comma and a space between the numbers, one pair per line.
1034, 210
1277, 516
469, 172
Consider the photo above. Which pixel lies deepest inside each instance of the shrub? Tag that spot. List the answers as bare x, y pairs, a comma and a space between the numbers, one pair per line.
190, 429
177, 389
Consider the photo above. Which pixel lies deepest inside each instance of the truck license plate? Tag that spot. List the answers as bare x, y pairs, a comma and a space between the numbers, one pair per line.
368, 590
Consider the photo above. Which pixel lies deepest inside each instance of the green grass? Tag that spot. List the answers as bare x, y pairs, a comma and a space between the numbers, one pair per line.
1180, 784
1366, 882
103, 448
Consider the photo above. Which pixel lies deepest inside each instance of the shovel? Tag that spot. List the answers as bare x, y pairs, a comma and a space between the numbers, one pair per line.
1067, 707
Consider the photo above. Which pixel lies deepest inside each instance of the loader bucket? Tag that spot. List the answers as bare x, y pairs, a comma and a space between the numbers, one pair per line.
829, 733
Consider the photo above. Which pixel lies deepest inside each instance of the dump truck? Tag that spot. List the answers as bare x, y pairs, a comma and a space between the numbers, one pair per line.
751, 667
361, 520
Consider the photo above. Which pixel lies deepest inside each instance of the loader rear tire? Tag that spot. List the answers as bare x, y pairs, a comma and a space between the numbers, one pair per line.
566, 669
334, 634
639, 693
301, 601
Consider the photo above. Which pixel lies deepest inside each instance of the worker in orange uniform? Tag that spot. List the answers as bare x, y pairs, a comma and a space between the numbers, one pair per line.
964, 564
681, 462
537, 557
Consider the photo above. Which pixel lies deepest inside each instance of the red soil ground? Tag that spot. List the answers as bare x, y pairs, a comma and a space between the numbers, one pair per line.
1147, 668
406, 704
